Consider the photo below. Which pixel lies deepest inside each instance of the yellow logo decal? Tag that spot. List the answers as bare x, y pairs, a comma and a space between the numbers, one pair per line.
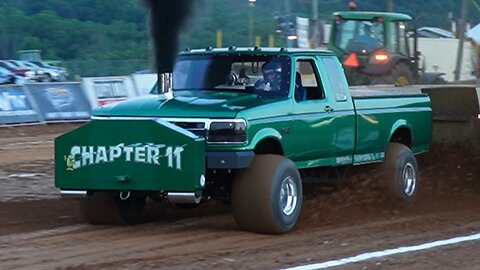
70, 159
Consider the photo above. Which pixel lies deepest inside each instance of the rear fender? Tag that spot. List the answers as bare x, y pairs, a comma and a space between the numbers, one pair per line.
401, 123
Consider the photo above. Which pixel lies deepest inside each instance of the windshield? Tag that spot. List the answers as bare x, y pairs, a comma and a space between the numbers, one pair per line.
259, 74
359, 36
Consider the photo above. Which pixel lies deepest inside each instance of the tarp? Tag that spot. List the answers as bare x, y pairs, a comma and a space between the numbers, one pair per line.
16, 106
432, 48
60, 101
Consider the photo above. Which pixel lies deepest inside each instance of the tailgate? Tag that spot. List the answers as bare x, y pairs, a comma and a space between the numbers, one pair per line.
121, 155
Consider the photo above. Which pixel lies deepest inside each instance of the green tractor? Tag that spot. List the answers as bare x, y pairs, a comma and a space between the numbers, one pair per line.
376, 48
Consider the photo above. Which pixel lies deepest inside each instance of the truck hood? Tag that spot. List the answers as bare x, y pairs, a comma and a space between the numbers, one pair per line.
205, 104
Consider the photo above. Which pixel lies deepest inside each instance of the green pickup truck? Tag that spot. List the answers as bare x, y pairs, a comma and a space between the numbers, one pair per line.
239, 125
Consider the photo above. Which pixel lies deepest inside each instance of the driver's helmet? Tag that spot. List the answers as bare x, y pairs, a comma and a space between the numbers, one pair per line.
272, 71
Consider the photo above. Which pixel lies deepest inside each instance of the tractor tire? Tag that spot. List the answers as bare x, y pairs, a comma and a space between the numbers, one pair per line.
108, 208
439, 80
401, 74
401, 173
267, 197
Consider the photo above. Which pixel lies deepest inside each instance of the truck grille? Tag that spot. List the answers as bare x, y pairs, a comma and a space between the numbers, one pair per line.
197, 128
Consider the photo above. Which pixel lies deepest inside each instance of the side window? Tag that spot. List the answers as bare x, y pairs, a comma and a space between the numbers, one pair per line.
336, 78
402, 40
307, 83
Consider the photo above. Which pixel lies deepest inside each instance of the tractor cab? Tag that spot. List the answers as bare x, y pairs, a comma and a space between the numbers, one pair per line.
374, 47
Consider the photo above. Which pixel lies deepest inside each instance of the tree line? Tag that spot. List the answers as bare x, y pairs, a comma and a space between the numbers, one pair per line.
104, 30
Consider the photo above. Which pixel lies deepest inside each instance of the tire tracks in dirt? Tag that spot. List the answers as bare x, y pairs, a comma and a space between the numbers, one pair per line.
342, 222
215, 242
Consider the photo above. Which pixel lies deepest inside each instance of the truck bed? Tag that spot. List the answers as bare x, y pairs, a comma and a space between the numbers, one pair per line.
381, 108
378, 91
385, 91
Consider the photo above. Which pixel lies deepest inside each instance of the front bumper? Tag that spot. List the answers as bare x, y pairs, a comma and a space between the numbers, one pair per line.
229, 160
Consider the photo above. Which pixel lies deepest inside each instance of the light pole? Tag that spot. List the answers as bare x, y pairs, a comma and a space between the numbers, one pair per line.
287, 7
390, 5
250, 22
290, 37
461, 39
316, 34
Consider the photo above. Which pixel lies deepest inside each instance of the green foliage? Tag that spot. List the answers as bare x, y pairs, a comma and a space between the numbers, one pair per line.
85, 32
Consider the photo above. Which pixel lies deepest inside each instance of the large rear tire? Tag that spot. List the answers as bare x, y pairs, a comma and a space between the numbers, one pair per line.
267, 197
108, 208
401, 74
401, 172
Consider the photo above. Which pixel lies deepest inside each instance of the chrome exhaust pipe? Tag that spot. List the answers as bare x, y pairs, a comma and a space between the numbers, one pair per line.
73, 194
165, 84
183, 197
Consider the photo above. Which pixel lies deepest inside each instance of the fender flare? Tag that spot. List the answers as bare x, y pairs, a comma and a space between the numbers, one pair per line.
400, 123
266, 133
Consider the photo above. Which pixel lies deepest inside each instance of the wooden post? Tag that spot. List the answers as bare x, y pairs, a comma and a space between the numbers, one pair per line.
219, 38
271, 41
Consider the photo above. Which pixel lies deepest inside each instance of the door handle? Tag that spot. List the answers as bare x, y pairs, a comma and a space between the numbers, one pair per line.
328, 108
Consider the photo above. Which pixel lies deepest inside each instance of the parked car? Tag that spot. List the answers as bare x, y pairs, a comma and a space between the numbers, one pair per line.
51, 65
39, 73
6, 76
51, 73
23, 72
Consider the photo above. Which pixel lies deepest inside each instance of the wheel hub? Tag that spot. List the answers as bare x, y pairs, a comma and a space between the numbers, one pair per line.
288, 196
401, 80
409, 179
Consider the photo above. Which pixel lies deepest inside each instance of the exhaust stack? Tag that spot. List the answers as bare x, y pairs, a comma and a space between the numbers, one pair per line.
165, 84
167, 18
183, 197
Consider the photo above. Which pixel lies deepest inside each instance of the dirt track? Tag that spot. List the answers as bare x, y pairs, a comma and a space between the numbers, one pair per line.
40, 231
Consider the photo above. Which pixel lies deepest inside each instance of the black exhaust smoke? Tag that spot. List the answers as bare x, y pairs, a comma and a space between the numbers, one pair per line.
167, 18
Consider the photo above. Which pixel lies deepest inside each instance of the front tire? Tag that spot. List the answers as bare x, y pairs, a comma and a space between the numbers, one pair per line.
47, 78
267, 197
401, 172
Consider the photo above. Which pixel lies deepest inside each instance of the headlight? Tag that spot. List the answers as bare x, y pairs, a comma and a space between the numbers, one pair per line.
228, 131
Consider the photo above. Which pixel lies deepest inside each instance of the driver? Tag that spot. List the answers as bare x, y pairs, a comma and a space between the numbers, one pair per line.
368, 38
271, 72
